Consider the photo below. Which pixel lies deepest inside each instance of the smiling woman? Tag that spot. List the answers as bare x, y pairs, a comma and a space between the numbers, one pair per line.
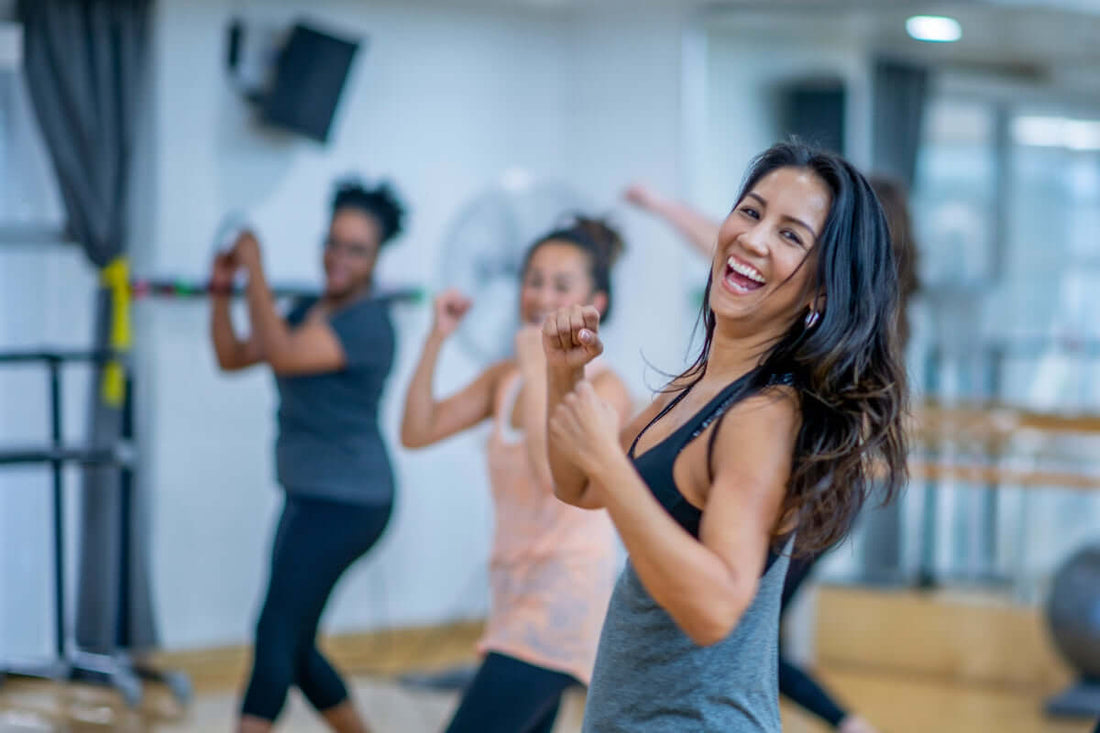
330, 357
552, 566
762, 247
800, 351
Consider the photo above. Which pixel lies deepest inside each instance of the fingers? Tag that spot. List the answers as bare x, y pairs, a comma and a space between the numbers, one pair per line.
457, 309
635, 194
573, 333
640, 195
247, 238
564, 331
452, 303
549, 332
590, 315
576, 325
593, 347
588, 336
452, 297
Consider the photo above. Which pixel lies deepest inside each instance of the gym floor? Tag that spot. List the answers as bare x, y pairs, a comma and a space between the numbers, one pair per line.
896, 704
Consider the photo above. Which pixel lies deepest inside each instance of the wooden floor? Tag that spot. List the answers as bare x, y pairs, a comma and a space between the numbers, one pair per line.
896, 705
921, 701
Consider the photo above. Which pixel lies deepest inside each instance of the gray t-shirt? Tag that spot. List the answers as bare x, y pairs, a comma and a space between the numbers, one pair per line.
329, 444
651, 678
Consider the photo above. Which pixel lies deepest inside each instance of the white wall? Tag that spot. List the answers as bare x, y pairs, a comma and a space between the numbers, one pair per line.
745, 70
44, 292
40, 287
443, 101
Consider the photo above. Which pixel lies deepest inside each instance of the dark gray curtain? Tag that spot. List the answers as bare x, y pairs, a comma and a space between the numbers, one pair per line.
84, 62
899, 97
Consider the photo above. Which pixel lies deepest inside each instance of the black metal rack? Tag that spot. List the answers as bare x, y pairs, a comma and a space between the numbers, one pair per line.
115, 668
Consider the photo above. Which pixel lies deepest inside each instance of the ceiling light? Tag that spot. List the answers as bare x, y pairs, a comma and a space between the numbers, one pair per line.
934, 28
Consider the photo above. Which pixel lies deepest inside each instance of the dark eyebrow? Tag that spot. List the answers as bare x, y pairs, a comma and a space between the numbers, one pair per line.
797, 221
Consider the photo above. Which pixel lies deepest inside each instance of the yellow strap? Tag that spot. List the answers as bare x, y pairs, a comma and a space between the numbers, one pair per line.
116, 278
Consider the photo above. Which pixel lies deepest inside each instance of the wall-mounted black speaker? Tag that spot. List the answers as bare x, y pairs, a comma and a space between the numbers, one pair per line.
310, 73
814, 111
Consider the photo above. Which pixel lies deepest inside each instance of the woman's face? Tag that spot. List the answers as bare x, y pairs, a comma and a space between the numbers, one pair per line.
761, 266
557, 276
351, 250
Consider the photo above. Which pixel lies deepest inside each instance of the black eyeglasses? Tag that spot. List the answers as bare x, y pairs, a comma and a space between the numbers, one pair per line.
361, 250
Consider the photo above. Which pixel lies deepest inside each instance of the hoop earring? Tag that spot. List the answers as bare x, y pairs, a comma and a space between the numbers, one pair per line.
811, 319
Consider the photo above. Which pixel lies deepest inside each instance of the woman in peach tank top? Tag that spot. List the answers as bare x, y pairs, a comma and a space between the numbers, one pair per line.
552, 566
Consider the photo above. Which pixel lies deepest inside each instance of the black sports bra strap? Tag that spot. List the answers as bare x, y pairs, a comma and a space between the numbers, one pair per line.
732, 393
664, 411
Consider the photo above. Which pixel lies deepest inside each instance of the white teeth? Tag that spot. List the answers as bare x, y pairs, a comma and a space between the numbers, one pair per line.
750, 272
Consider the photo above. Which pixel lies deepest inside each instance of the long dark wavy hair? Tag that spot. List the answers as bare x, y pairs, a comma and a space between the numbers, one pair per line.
846, 368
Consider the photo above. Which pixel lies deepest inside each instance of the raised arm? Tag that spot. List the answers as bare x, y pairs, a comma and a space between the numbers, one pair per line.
705, 584
532, 364
427, 420
700, 231
570, 339
312, 348
233, 353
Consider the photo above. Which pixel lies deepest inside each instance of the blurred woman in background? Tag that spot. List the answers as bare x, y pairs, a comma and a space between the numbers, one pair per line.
330, 357
551, 566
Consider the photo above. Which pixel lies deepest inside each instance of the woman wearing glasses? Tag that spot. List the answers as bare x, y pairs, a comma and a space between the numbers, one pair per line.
330, 356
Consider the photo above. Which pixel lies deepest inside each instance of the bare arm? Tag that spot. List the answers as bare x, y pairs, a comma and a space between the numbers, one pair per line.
561, 342
571, 484
705, 584
312, 348
532, 369
232, 352
611, 390
570, 340
427, 420
697, 228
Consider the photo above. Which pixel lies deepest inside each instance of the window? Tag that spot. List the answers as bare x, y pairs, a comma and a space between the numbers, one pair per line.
30, 205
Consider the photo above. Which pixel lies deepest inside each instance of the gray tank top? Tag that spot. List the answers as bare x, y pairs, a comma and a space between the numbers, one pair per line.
650, 677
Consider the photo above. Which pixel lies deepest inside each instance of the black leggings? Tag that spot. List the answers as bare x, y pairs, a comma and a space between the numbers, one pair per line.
314, 544
510, 696
794, 682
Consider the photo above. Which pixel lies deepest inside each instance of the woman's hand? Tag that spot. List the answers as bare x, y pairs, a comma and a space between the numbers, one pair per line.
222, 272
450, 308
642, 196
570, 337
586, 427
246, 251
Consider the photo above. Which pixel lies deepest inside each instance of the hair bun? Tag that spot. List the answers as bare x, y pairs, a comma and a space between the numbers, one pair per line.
604, 237
380, 201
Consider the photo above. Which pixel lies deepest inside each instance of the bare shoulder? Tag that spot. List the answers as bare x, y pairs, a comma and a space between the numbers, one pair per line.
764, 423
776, 403
609, 381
